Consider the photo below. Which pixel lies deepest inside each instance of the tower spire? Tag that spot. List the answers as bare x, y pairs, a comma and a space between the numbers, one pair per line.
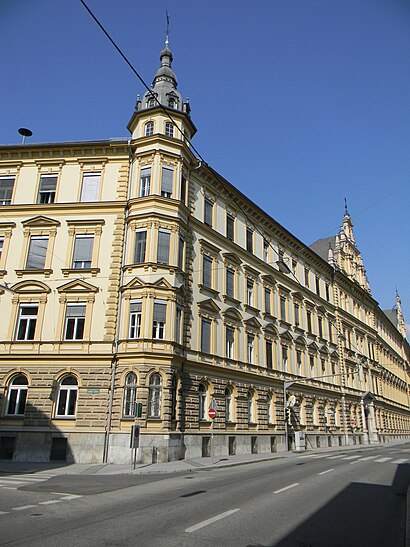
167, 31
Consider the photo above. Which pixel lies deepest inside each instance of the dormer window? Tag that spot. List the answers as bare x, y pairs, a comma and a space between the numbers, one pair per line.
172, 103
149, 129
151, 102
169, 129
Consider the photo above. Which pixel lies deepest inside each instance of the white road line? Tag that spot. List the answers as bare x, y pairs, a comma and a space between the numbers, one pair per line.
13, 481
324, 472
403, 460
4, 512
9, 487
335, 457
49, 502
352, 457
382, 460
286, 488
70, 497
210, 521
23, 507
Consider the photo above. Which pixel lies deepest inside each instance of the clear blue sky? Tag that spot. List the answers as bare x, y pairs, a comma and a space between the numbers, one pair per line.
298, 103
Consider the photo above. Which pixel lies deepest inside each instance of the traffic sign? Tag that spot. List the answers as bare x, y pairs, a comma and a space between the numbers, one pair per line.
212, 413
352, 421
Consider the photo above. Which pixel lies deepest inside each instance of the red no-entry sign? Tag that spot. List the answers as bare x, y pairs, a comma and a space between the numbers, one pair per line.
212, 413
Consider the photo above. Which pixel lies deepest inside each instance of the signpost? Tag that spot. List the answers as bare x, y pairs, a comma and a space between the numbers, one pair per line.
212, 415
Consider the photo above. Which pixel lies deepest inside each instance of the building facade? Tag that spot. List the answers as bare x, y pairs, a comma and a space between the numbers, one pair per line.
140, 288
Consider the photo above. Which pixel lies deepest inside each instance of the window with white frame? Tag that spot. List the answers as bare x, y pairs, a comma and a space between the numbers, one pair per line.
83, 251
249, 240
47, 189
90, 189
230, 227
151, 102
230, 282
17, 396
309, 320
296, 310
140, 246
164, 239
266, 251
283, 306
228, 405
67, 397
135, 318
169, 129
145, 181
26, 322
149, 129
202, 401
159, 320
74, 321
250, 347
167, 182
250, 285
268, 294
6, 190
208, 211
154, 396
206, 335
230, 342
207, 271
172, 102
130, 396
37, 251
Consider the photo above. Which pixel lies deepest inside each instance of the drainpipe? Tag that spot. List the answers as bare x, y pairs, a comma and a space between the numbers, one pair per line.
117, 327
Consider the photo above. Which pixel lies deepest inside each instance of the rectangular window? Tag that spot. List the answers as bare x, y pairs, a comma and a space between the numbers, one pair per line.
299, 362
207, 271
178, 324
330, 331
265, 250
306, 278
140, 246
269, 354
230, 339
285, 358
283, 314
1, 246
297, 314
145, 182
183, 188
249, 240
250, 348
90, 189
327, 292
205, 335
230, 227
181, 253
230, 282
249, 291
36, 257
312, 364
47, 189
267, 300
309, 321
26, 324
166, 182
83, 252
159, 322
135, 318
320, 326
164, 238
317, 282
208, 210
6, 190
74, 321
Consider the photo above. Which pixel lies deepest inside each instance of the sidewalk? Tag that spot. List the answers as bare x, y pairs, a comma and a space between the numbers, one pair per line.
187, 465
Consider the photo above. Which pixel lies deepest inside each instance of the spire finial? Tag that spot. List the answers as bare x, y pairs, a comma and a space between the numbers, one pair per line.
346, 211
167, 32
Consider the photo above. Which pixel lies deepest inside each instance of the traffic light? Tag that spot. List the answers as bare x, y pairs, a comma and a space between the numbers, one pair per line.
288, 415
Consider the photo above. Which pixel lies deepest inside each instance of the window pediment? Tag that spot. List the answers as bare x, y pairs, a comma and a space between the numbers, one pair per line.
300, 340
30, 287
232, 258
286, 336
313, 346
270, 330
252, 323
232, 313
250, 271
209, 305
206, 246
77, 285
40, 222
269, 279
297, 296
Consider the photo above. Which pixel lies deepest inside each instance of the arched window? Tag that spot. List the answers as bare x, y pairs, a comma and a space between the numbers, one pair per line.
169, 129
67, 397
154, 396
149, 129
174, 387
251, 407
228, 405
202, 394
130, 393
17, 396
151, 102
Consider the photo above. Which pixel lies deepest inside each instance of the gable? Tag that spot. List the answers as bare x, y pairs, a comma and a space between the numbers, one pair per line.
40, 222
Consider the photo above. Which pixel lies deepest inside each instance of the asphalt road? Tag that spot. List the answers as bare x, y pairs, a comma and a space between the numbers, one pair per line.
352, 499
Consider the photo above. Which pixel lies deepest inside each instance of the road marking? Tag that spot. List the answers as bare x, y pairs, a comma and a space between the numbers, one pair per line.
403, 460
286, 488
23, 507
4, 512
67, 496
324, 472
335, 457
49, 502
9, 487
210, 521
352, 457
382, 460
363, 459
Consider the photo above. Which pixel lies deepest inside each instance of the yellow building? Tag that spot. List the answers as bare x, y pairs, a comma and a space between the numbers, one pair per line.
139, 287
